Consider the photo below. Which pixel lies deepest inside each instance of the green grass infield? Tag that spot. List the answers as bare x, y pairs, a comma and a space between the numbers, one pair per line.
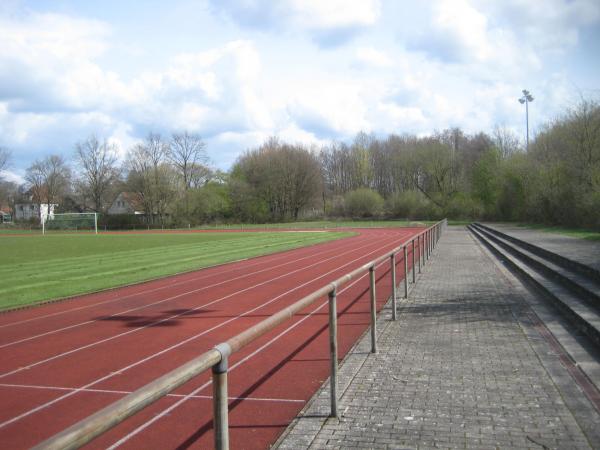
36, 268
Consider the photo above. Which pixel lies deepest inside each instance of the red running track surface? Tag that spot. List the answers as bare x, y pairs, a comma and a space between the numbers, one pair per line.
63, 361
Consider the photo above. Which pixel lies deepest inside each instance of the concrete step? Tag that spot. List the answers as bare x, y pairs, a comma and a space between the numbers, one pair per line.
569, 264
579, 312
581, 285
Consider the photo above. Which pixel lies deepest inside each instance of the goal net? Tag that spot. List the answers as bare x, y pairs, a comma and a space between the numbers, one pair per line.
71, 222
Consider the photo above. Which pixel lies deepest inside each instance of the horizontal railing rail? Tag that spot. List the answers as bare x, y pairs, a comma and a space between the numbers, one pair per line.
217, 358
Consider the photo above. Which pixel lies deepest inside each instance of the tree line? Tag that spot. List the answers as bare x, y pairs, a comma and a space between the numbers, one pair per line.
447, 174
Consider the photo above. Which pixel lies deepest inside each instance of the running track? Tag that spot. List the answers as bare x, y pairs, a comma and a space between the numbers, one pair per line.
63, 361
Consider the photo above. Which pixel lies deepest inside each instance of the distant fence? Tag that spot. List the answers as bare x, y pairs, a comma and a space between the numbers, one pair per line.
217, 358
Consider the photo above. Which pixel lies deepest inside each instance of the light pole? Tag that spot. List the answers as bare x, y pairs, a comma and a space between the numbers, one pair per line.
527, 97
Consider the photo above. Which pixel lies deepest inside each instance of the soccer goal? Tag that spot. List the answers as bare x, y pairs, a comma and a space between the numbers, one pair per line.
71, 222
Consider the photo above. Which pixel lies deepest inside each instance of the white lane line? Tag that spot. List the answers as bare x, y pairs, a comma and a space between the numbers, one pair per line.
120, 371
194, 291
168, 410
156, 322
135, 294
120, 393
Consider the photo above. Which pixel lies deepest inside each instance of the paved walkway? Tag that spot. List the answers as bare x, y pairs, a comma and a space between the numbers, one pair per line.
580, 250
463, 367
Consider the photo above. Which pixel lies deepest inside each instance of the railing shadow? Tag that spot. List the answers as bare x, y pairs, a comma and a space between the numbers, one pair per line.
191, 440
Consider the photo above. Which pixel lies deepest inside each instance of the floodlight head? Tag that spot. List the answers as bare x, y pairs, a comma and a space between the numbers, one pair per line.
525, 92
529, 98
521, 101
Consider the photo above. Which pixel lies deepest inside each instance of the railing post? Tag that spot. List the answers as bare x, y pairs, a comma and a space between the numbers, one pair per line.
373, 310
333, 351
420, 256
413, 262
405, 273
393, 270
220, 403
428, 244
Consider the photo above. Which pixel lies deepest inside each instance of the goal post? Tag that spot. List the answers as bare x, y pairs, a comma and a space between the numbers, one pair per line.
70, 222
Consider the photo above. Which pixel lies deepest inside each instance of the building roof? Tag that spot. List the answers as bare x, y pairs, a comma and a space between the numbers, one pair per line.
134, 199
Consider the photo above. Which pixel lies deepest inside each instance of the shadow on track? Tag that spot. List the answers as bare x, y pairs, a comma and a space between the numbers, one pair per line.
209, 425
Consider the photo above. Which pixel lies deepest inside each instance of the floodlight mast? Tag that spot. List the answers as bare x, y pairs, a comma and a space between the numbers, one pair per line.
527, 97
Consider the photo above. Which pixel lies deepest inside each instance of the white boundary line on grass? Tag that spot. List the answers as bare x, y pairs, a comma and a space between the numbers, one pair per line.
168, 410
120, 371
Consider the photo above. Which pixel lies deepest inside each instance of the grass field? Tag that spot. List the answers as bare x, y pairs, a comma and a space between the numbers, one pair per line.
35, 268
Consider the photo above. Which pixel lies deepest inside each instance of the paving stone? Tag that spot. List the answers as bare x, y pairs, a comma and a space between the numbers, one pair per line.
456, 370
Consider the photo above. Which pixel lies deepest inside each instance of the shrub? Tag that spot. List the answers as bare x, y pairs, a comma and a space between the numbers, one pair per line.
463, 206
363, 203
590, 210
408, 205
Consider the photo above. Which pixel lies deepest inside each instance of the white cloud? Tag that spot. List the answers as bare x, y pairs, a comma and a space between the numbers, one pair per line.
551, 28
13, 177
512, 35
56, 91
209, 92
466, 70
334, 109
329, 22
333, 14
46, 64
371, 57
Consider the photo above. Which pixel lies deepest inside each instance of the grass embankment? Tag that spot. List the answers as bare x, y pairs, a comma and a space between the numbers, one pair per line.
573, 232
36, 268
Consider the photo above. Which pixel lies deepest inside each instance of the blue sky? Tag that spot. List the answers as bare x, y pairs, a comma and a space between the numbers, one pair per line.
310, 71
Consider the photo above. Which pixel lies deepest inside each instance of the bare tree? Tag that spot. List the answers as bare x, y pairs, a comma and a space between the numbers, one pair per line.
186, 151
285, 178
506, 141
187, 155
151, 176
48, 179
436, 171
97, 161
200, 175
8, 193
5, 157
583, 138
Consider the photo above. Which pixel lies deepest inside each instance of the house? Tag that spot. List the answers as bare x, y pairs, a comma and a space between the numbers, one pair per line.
5, 214
127, 203
31, 210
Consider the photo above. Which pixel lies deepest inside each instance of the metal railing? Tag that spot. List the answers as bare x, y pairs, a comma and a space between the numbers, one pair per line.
217, 358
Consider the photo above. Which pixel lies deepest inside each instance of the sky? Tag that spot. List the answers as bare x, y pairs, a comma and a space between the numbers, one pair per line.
307, 71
